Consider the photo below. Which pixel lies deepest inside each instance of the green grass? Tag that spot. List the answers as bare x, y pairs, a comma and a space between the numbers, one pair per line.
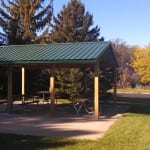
134, 90
59, 101
63, 101
130, 132
3, 101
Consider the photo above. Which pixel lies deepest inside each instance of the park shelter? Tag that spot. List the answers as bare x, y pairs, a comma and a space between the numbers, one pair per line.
63, 55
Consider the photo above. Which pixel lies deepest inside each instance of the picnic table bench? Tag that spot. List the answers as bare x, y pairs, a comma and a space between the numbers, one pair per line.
79, 104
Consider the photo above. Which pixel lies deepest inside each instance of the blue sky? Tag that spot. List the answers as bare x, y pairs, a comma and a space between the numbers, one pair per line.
128, 20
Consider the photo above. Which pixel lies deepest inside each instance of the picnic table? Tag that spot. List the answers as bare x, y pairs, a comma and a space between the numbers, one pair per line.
79, 104
44, 93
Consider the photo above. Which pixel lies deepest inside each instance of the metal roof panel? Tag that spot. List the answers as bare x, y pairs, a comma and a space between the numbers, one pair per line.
55, 52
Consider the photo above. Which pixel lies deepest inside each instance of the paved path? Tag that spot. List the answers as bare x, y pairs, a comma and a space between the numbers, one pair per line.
83, 127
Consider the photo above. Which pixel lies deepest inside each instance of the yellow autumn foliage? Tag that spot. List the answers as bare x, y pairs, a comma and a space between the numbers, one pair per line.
141, 63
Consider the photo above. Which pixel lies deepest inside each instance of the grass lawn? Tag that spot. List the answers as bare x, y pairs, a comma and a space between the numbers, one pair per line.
134, 90
3, 101
130, 132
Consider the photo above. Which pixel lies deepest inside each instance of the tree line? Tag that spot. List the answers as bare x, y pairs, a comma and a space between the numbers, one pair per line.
134, 64
22, 20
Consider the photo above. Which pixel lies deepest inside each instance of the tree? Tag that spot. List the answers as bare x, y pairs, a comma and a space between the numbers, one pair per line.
71, 85
2, 39
20, 22
21, 19
123, 55
73, 24
141, 63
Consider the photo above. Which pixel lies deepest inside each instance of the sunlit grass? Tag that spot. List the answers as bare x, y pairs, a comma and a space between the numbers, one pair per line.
3, 101
63, 101
130, 132
132, 90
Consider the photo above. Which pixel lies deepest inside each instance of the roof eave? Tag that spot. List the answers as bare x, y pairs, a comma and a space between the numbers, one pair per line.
48, 62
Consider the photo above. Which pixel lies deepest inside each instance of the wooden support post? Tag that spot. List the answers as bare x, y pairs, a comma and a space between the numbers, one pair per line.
96, 97
52, 93
10, 82
23, 84
115, 85
96, 92
85, 82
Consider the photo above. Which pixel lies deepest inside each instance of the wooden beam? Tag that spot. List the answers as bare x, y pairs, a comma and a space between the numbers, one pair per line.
23, 84
96, 92
57, 65
52, 93
10, 82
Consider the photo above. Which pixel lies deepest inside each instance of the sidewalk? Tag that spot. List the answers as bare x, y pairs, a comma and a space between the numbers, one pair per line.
76, 127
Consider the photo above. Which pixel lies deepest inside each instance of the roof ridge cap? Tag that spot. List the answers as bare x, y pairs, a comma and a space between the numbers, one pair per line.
45, 44
22, 45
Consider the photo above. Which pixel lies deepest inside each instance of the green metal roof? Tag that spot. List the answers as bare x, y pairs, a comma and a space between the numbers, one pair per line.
52, 53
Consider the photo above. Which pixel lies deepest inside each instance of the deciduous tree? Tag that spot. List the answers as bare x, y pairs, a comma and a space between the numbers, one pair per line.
123, 55
141, 63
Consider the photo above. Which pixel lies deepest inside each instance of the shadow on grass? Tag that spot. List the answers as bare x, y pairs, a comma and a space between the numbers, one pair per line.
21, 142
139, 109
137, 103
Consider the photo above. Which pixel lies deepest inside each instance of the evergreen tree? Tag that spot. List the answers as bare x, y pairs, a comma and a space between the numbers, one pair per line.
73, 24
21, 19
2, 39
68, 83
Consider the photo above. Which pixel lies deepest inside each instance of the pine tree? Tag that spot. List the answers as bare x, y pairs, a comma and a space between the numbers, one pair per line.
21, 19
73, 24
